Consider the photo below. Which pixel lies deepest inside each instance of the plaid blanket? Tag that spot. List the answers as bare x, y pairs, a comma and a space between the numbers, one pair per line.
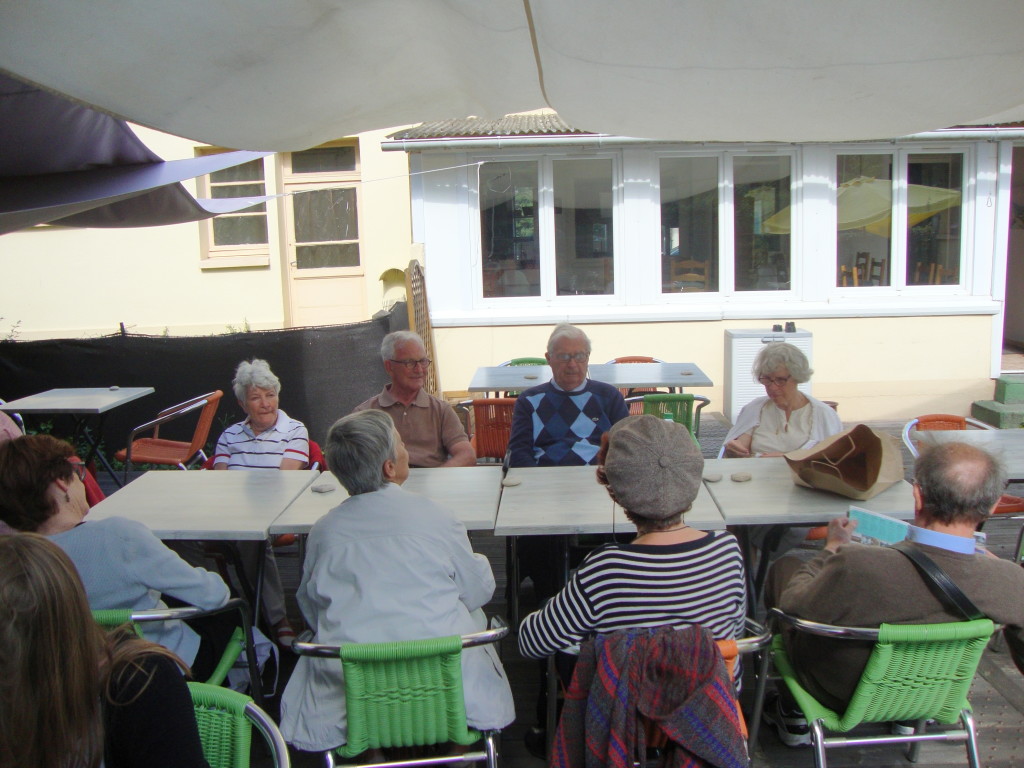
675, 678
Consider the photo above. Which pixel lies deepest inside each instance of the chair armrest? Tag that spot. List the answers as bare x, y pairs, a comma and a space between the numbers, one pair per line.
486, 637
776, 616
757, 637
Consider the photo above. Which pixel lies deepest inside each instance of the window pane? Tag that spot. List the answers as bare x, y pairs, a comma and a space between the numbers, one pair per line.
336, 255
689, 224
934, 189
251, 171
864, 220
508, 229
761, 201
239, 230
325, 214
324, 160
584, 257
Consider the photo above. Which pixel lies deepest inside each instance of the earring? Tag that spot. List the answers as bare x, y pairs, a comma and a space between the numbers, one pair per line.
67, 496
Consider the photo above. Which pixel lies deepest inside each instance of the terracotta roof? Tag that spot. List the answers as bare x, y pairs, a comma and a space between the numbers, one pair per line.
542, 124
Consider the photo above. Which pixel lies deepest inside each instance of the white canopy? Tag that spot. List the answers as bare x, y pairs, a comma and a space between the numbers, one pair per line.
288, 74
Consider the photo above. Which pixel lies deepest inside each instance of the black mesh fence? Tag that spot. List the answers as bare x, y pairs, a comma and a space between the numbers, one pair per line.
325, 372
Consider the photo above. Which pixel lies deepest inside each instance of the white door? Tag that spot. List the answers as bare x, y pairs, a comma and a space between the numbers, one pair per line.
325, 273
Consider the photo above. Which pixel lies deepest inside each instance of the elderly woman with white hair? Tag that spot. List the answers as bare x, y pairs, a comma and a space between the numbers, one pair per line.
267, 438
386, 565
785, 419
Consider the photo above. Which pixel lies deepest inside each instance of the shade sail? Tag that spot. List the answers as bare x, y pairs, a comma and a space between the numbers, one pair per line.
288, 74
67, 164
866, 203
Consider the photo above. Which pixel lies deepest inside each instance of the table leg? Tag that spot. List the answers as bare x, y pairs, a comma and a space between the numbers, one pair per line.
81, 429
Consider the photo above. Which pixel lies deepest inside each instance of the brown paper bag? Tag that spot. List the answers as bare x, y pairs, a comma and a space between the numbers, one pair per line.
858, 463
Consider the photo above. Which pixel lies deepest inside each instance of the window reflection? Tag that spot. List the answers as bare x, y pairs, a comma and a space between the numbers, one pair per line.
584, 258
689, 224
864, 220
508, 229
761, 198
935, 186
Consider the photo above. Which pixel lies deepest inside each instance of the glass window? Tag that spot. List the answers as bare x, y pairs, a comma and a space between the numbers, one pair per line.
864, 220
584, 239
322, 218
761, 237
248, 227
934, 190
689, 224
510, 260
324, 160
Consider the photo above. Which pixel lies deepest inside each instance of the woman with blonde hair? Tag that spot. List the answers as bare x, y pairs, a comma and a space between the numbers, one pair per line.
71, 695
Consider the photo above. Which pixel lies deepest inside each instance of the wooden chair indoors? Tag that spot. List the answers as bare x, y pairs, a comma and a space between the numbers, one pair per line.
176, 453
691, 275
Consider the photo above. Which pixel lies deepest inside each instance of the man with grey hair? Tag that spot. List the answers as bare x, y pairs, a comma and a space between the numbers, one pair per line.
956, 487
560, 423
386, 565
432, 432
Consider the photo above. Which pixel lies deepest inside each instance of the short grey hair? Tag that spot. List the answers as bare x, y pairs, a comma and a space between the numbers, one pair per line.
254, 373
357, 447
959, 482
567, 331
782, 355
393, 339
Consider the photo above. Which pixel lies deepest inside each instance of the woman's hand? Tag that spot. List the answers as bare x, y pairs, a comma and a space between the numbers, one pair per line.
740, 447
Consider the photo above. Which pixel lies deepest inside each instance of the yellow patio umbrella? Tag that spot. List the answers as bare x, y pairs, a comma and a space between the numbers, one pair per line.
866, 203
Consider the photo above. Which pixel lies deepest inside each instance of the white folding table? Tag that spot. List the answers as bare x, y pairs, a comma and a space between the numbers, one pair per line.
82, 403
471, 493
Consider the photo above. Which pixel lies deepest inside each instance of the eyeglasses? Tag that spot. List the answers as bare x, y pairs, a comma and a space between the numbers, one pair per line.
410, 364
778, 381
565, 357
79, 468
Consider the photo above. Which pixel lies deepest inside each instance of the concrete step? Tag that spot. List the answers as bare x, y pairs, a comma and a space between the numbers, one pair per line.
1002, 415
1010, 388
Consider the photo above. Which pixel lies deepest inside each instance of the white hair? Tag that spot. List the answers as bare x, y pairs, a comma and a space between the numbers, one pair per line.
357, 447
254, 373
393, 339
567, 331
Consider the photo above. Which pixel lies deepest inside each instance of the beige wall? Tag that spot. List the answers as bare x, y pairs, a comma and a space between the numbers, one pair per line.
65, 283
876, 368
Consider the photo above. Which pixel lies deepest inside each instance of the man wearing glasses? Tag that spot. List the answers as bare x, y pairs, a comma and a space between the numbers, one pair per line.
560, 423
431, 431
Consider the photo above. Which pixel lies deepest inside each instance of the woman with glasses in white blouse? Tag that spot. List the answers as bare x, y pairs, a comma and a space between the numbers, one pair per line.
785, 419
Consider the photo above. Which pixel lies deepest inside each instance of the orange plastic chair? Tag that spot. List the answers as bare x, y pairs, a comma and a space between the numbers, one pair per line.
492, 418
177, 453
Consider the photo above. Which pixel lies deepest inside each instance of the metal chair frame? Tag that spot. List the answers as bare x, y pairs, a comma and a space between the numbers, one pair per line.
687, 411
489, 755
913, 424
241, 641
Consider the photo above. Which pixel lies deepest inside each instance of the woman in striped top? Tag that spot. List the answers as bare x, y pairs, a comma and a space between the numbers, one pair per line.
670, 574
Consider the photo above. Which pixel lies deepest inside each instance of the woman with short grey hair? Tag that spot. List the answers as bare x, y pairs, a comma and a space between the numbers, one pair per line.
386, 565
254, 373
785, 419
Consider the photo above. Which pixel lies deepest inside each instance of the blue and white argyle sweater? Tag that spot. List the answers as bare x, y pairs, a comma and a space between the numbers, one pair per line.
555, 428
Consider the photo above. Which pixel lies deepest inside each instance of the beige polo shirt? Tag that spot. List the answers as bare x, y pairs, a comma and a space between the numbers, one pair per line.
428, 426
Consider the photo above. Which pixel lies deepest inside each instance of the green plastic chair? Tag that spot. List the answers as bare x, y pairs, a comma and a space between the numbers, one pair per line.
226, 719
408, 694
680, 406
916, 672
241, 638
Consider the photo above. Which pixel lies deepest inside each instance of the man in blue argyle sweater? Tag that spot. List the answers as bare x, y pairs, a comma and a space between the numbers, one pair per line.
560, 423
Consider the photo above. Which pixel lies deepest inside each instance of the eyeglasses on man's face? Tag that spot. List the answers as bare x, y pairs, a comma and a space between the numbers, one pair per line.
410, 364
79, 468
565, 357
778, 381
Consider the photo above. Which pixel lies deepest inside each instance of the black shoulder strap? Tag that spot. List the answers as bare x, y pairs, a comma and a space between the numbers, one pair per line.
942, 586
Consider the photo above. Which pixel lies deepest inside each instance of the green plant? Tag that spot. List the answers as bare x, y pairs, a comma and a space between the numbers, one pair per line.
12, 332
244, 328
